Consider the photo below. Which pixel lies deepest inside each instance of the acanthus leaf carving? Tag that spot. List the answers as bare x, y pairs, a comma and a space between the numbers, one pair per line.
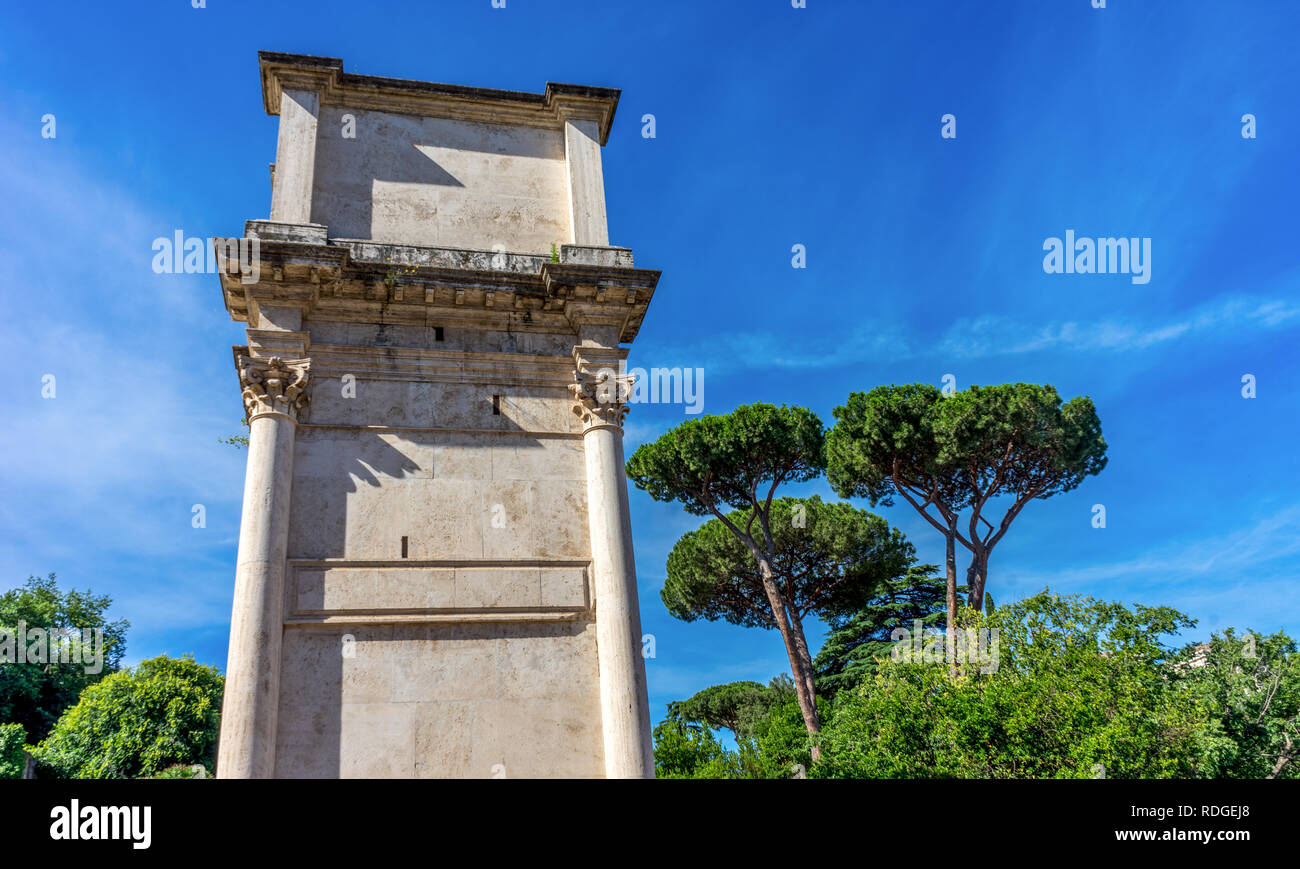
600, 397
274, 385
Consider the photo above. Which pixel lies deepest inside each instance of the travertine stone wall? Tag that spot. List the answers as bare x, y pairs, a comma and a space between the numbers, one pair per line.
357, 493
493, 509
441, 700
440, 182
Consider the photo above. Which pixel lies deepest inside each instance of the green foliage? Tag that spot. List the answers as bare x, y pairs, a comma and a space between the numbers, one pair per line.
828, 558
182, 770
739, 460
775, 743
1079, 683
736, 706
1016, 439
1082, 688
138, 722
717, 461
857, 643
884, 443
1020, 439
13, 738
391, 276
685, 750
35, 695
236, 441
781, 744
1013, 442
1249, 686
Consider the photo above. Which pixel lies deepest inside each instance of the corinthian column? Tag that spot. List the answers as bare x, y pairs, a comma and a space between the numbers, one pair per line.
274, 394
625, 709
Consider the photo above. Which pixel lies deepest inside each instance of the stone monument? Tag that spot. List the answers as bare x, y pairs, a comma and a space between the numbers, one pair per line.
435, 574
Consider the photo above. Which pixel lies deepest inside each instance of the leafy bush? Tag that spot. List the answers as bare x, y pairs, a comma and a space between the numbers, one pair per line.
1082, 689
686, 750
139, 722
782, 745
776, 747
182, 770
12, 739
1249, 686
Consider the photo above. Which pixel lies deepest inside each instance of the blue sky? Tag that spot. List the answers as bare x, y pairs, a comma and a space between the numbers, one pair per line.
775, 126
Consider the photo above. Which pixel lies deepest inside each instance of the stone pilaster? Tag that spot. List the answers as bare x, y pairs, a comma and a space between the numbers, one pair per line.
600, 401
586, 182
295, 155
275, 394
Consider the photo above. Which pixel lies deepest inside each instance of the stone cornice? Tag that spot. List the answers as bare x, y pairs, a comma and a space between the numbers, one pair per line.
326, 76
370, 282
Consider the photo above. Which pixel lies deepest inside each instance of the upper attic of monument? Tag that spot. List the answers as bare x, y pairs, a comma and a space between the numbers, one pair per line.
404, 196
417, 163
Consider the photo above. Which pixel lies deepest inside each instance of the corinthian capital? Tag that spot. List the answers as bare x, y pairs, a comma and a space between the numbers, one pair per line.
600, 397
273, 385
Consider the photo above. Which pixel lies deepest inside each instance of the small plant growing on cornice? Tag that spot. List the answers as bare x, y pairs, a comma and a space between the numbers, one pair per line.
390, 278
555, 253
236, 441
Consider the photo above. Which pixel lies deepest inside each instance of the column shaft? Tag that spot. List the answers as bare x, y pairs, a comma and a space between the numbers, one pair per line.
625, 707
248, 714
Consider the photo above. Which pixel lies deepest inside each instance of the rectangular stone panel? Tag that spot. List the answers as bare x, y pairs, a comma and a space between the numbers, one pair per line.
453, 495
393, 400
368, 589
323, 590
440, 701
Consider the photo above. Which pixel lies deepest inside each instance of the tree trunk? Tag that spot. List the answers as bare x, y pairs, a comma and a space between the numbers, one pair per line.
802, 675
950, 630
1282, 758
976, 577
805, 656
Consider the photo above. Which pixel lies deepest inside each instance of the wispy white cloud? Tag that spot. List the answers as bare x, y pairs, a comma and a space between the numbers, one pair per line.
1238, 552
1249, 571
981, 337
731, 352
995, 335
